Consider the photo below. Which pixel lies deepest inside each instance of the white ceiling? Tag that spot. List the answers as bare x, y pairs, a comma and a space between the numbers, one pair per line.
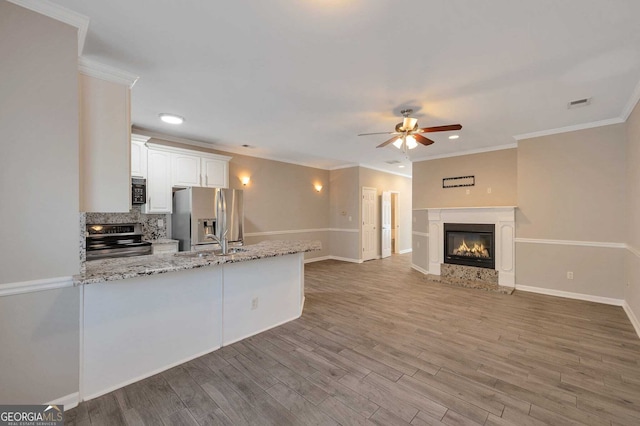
298, 80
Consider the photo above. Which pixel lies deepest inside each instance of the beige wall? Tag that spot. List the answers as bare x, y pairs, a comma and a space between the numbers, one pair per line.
402, 185
632, 284
39, 133
496, 170
571, 187
39, 209
344, 203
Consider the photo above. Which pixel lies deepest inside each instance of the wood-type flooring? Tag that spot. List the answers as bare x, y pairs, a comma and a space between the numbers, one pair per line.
378, 344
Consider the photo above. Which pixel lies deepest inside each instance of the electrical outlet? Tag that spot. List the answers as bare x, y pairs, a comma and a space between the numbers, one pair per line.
350, 218
569, 275
489, 190
160, 222
254, 303
468, 191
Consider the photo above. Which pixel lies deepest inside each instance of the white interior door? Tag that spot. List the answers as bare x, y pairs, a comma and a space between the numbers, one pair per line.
369, 223
385, 230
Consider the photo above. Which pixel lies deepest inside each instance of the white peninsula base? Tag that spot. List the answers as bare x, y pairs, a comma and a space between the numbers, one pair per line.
137, 327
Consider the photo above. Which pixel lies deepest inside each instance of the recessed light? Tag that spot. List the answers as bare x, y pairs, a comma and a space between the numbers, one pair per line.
454, 136
401, 166
171, 118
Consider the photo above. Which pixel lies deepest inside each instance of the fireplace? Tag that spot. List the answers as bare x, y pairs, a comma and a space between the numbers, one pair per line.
470, 244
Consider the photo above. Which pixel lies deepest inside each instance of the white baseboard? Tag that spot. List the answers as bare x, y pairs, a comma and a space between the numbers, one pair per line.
405, 251
346, 259
419, 269
632, 317
570, 295
69, 401
146, 375
317, 259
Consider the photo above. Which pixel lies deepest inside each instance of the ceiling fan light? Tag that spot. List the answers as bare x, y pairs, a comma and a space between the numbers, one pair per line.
409, 123
411, 142
398, 142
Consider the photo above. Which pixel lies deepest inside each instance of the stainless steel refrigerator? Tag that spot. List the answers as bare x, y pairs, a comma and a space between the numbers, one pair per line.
201, 211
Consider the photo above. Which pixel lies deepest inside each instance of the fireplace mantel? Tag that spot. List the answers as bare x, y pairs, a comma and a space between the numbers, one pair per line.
503, 217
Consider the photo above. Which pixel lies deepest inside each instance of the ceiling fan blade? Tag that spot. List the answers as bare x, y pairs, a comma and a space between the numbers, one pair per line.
439, 128
380, 133
385, 143
424, 141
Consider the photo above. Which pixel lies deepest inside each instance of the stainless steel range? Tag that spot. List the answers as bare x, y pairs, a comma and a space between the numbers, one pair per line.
115, 240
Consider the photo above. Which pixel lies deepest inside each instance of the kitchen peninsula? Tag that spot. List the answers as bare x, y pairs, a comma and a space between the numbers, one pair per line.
142, 315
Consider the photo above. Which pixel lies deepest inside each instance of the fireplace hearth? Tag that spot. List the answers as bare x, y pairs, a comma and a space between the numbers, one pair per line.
469, 244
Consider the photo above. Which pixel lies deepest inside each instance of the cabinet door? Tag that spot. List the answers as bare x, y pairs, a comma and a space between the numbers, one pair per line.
158, 182
216, 173
138, 159
186, 170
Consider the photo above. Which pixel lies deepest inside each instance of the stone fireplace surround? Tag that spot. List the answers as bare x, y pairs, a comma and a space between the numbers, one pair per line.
503, 217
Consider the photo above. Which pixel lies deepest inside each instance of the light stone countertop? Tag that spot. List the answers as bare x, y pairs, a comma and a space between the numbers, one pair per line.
98, 271
163, 241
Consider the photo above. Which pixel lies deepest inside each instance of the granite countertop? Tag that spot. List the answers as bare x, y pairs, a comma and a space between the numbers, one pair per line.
163, 241
121, 268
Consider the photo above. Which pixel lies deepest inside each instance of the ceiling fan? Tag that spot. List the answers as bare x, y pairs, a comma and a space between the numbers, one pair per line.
408, 133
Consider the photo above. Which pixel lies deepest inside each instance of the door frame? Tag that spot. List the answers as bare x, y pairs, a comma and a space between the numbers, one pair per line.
374, 253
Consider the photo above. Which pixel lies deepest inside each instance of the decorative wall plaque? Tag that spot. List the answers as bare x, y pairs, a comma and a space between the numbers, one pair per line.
455, 182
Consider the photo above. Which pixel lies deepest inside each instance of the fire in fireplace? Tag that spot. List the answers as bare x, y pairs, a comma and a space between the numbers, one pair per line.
469, 244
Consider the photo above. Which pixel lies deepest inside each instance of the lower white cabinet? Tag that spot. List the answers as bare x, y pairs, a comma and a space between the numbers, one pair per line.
158, 182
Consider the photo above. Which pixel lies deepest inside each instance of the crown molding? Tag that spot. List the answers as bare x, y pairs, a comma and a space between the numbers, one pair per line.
345, 166
583, 126
211, 145
59, 13
139, 138
633, 101
469, 152
364, 166
105, 72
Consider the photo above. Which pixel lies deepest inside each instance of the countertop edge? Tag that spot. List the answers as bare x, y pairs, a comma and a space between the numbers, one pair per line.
125, 268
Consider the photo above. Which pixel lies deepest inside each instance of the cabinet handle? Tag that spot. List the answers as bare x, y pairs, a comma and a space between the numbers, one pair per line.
206, 180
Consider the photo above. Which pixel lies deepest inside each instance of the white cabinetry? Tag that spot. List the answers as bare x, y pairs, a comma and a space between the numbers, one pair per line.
185, 169
158, 182
169, 167
139, 156
105, 147
215, 172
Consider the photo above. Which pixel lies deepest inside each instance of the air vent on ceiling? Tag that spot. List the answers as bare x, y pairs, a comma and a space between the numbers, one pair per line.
579, 103
392, 162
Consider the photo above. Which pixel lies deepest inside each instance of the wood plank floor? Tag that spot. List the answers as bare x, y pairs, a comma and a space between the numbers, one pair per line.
378, 344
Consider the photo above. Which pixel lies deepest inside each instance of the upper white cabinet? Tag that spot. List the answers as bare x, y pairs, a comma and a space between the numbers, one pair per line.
215, 172
185, 169
158, 181
139, 156
105, 147
169, 167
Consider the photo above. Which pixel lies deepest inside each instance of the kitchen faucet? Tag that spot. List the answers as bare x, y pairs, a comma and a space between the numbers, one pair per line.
224, 243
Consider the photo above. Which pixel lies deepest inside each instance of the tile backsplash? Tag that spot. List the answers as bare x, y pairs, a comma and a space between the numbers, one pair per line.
150, 228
